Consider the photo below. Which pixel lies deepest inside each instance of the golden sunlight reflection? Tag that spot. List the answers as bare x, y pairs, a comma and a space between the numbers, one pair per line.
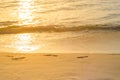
24, 43
25, 12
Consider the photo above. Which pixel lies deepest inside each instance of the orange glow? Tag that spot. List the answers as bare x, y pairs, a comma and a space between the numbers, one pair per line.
25, 12
24, 43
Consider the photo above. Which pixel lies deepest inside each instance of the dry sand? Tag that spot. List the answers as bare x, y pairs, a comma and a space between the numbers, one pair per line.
59, 67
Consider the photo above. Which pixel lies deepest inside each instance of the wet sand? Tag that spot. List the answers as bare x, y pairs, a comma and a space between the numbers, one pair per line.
59, 67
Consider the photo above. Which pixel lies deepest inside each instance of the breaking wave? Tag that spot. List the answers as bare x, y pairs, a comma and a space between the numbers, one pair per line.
56, 28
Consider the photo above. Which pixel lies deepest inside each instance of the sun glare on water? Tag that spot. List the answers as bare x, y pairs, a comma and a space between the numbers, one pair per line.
25, 12
24, 43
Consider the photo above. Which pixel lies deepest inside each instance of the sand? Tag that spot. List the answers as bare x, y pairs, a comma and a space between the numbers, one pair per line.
59, 67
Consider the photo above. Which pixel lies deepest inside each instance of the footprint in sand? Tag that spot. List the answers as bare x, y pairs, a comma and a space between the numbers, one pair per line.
51, 55
15, 58
82, 57
18, 58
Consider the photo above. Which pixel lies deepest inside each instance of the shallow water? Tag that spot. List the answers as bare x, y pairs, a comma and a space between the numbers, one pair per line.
64, 42
62, 26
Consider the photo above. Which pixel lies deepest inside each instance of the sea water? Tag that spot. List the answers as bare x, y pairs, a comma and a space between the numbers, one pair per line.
60, 26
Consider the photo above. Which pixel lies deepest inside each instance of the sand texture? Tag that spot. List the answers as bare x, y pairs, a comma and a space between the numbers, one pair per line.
59, 67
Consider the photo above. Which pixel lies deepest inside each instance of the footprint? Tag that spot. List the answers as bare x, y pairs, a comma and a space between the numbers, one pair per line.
19, 58
82, 57
51, 55
55, 55
48, 55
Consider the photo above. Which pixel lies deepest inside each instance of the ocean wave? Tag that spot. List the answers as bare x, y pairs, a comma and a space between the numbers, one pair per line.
56, 28
7, 23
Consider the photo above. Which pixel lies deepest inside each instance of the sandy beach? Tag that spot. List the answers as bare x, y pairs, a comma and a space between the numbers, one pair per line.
59, 39
59, 67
